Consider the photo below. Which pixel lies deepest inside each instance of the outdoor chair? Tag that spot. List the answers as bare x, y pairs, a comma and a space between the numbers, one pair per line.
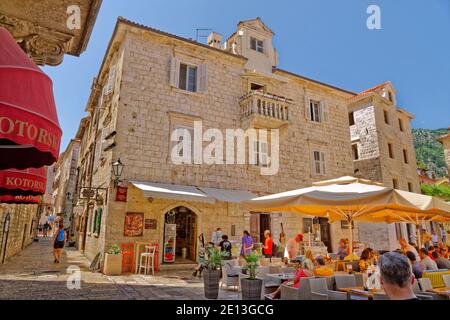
337, 295
276, 261
288, 293
274, 269
425, 284
319, 289
304, 289
345, 281
147, 260
264, 261
227, 280
287, 270
330, 281
359, 279
262, 271
446, 278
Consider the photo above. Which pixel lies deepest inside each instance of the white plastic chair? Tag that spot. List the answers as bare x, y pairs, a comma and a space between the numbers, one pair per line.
229, 281
147, 260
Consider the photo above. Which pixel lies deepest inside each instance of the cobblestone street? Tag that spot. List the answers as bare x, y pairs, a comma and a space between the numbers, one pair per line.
33, 275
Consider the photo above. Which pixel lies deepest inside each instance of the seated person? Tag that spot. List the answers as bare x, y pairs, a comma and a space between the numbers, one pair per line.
342, 250
308, 261
365, 261
417, 268
425, 260
321, 269
441, 262
299, 273
431, 249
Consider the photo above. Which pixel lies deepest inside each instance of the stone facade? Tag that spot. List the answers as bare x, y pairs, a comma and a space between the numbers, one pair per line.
23, 220
445, 140
64, 185
136, 104
382, 139
47, 30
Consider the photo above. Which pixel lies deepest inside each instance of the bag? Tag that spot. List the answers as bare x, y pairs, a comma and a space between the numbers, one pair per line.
274, 249
61, 235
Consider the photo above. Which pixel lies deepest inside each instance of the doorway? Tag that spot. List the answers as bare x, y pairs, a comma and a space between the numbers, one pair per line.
325, 233
180, 236
259, 222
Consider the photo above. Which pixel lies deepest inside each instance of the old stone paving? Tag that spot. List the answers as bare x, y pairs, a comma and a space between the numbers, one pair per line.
33, 275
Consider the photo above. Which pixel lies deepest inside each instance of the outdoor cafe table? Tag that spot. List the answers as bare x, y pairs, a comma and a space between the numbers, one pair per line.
282, 276
361, 292
441, 291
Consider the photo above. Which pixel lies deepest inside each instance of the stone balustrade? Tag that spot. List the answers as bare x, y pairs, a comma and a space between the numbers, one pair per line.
266, 105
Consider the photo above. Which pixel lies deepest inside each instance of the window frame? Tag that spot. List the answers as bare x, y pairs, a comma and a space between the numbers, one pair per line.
355, 151
312, 109
391, 150
258, 45
405, 156
400, 125
395, 184
319, 163
187, 78
351, 118
386, 117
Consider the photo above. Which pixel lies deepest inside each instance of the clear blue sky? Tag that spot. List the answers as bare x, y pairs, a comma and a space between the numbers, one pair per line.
326, 40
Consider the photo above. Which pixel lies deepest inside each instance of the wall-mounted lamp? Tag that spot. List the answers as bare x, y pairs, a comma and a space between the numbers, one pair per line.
117, 168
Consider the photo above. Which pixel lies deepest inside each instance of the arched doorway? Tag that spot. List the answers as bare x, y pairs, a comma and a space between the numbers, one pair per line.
180, 236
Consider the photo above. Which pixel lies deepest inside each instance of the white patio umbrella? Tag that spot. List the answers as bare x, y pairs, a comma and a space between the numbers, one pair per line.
353, 199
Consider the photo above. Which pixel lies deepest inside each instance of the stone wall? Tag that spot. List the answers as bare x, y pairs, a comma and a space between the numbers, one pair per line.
23, 222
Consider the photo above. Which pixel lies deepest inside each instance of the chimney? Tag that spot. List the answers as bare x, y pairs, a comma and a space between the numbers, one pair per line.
215, 40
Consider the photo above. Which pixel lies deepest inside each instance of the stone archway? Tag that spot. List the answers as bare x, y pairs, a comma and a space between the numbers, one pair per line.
180, 235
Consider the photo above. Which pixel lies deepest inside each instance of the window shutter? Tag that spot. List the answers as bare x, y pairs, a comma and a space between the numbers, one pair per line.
263, 154
174, 71
307, 109
266, 47
202, 78
255, 153
322, 161
324, 109
313, 164
111, 80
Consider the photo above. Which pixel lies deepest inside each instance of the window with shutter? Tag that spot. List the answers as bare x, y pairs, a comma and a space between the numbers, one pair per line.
174, 71
316, 111
203, 78
111, 80
263, 154
307, 109
318, 164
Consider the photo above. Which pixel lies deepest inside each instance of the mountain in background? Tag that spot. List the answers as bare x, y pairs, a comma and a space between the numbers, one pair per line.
429, 151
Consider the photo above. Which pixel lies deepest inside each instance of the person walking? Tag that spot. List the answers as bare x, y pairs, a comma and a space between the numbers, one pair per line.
268, 244
46, 227
59, 239
247, 244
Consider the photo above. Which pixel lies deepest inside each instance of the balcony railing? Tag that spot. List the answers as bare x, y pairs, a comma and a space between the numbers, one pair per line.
265, 106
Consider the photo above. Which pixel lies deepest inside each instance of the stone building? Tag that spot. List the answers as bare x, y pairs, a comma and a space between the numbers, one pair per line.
383, 151
64, 184
445, 140
152, 84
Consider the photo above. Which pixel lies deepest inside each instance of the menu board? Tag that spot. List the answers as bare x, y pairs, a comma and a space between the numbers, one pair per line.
134, 224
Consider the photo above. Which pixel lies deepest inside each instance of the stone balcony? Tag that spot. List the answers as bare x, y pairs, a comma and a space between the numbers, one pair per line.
264, 110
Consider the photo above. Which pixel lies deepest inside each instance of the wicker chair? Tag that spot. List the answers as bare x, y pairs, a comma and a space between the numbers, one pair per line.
319, 289
288, 293
345, 281
337, 295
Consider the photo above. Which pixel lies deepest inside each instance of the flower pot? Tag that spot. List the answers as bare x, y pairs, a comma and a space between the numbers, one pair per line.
113, 264
251, 289
211, 280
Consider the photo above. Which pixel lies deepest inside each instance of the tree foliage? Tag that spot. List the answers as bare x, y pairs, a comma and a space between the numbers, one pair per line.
440, 191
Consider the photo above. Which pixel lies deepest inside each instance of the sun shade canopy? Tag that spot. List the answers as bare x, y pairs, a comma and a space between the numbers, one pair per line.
29, 129
30, 181
191, 193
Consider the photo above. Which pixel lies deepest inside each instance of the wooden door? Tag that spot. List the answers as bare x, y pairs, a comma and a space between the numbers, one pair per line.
264, 224
254, 226
191, 236
325, 233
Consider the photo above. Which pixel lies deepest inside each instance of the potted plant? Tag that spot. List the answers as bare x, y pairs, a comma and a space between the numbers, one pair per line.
251, 287
113, 261
211, 275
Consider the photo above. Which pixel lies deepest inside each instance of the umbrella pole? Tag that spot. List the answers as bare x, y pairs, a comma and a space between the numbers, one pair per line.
419, 245
350, 239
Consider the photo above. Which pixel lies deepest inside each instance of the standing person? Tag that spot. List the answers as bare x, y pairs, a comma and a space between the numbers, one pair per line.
225, 247
247, 244
201, 256
426, 238
434, 238
407, 247
396, 276
216, 237
59, 238
268, 244
46, 226
293, 247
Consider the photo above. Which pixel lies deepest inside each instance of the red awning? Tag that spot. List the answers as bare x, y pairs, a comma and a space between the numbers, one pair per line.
20, 199
30, 181
29, 129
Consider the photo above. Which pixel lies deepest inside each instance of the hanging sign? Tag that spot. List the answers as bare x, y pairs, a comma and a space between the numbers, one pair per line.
121, 194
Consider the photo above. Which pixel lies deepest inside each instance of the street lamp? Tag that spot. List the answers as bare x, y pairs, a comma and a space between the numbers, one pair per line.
117, 168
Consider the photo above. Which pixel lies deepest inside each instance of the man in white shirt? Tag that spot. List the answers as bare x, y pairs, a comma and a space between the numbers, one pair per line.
407, 247
426, 262
217, 236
